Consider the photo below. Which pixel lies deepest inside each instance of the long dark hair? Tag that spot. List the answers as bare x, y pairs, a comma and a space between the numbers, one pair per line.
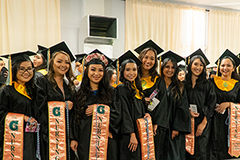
110, 72
104, 94
234, 73
177, 90
153, 71
202, 78
43, 65
69, 74
127, 83
30, 84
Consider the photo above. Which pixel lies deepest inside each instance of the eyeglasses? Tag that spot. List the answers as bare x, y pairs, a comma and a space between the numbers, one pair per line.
23, 70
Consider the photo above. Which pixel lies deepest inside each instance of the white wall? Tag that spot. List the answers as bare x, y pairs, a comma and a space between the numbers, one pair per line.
72, 11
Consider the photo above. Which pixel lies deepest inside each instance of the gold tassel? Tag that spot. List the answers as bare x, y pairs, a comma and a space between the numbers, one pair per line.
83, 64
117, 71
160, 65
188, 60
218, 66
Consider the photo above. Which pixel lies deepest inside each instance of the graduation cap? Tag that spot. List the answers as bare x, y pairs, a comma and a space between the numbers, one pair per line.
98, 52
127, 55
41, 49
79, 57
149, 44
171, 55
13, 58
62, 46
228, 53
200, 53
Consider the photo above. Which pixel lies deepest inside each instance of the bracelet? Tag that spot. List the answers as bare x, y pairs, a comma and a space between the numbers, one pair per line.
29, 119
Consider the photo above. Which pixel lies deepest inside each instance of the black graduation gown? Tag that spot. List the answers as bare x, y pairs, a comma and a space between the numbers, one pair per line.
14, 102
205, 98
219, 140
81, 132
132, 109
45, 92
179, 120
159, 116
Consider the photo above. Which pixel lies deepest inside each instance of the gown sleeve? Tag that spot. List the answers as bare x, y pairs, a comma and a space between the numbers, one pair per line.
182, 119
4, 109
127, 125
40, 104
115, 115
211, 101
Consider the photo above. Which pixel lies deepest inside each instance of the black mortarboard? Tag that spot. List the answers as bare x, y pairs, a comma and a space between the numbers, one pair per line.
62, 46
79, 57
148, 44
172, 56
24, 56
40, 49
127, 55
200, 53
98, 51
228, 53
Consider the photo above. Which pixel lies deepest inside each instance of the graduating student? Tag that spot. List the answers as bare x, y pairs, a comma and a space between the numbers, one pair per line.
40, 62
16, 98
131, 99
3, 73
112, 75
178, 112
201, 95
227, 89
79, 67
95, 89
53, 87
181, 73
151, 81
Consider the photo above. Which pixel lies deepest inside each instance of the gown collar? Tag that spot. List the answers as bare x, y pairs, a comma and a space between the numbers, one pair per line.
147, 83
21, 89
225, 85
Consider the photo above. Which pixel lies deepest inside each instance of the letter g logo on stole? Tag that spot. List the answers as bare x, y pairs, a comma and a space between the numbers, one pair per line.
56, 111
13, 125
101, 110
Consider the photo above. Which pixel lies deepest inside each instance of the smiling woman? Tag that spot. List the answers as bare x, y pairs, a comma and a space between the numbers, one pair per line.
53, 87
16, 98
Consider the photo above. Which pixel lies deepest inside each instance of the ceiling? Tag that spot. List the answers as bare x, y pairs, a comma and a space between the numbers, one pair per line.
225, 4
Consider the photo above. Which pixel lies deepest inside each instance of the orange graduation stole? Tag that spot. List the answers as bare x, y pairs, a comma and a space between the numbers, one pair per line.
99, 135
190, 139
234, 134
145, 132
13, 137
57, 130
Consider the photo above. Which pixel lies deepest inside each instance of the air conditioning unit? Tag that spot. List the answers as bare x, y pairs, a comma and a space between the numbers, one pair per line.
98, 32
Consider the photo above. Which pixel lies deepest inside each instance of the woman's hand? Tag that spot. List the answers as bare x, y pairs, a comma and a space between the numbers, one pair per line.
74, 145
110, 135
76, 82
147, 115
174, 134
222, 107
201, 127
147, 100
193, 114
155, 126
89, 110
33, 122
70, 105
133, 142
